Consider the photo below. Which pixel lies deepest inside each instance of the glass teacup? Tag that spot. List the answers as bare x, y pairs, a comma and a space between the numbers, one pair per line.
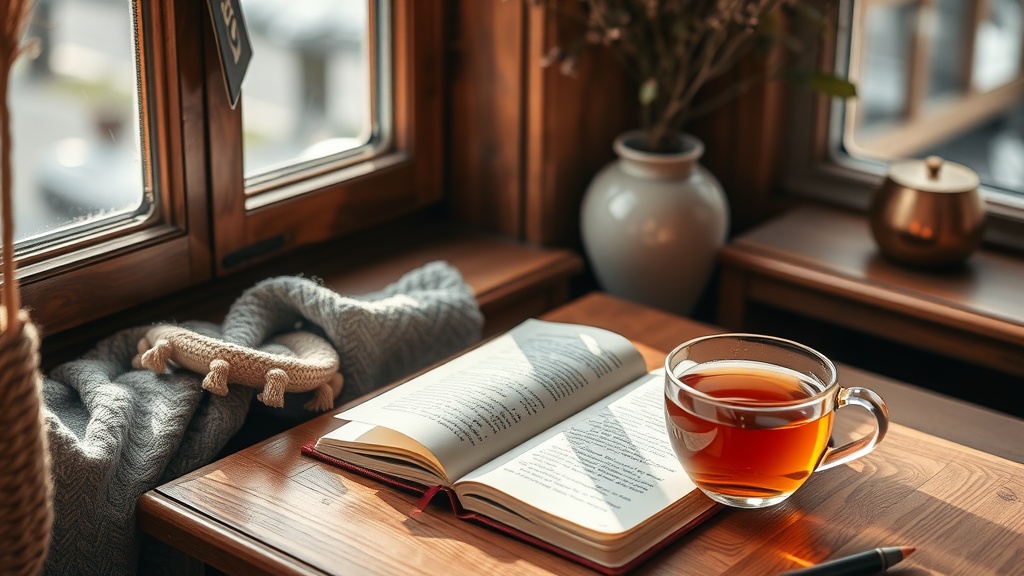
750, 416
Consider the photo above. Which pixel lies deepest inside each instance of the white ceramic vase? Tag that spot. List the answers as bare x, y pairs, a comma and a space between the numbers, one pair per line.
652, 224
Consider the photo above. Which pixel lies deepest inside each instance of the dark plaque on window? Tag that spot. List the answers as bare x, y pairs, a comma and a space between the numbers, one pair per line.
232, 42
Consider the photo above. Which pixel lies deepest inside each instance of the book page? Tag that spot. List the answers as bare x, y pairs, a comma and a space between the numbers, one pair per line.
387, 451
604, 471
493, 398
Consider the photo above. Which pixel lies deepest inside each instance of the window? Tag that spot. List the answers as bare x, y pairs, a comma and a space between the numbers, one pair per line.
148, 181
310, 101
77, 122
942, 77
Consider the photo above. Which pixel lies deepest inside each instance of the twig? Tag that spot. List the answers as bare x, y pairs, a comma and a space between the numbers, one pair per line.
674, 48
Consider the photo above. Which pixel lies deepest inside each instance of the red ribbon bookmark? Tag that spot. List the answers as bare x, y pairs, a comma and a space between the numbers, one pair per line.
421, 504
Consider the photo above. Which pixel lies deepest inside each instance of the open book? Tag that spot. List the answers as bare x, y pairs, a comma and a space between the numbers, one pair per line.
553, 432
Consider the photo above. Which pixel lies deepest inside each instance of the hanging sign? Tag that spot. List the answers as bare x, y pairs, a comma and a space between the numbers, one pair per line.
232, 42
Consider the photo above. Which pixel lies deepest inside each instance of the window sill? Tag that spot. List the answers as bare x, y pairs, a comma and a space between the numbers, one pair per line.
511, 281
822, 262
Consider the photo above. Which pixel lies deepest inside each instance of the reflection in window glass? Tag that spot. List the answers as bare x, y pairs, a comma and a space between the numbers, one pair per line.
75, 120
306, 97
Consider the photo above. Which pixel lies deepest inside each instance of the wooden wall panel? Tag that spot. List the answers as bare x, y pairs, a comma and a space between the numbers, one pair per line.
571, 124
525, 140
485, 114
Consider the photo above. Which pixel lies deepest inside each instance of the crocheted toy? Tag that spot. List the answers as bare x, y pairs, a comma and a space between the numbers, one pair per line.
292, 362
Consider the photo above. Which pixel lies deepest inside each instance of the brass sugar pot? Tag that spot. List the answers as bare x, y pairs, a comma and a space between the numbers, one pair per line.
928, 213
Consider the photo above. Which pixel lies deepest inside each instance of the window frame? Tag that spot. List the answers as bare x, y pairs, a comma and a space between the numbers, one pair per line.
813, 172
399, 181
918, 126
201, 222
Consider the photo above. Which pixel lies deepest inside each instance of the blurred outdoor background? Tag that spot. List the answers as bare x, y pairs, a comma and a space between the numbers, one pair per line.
77, 146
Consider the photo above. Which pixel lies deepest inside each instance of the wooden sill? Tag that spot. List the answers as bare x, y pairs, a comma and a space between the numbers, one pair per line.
823, 263
948, 347
511, 281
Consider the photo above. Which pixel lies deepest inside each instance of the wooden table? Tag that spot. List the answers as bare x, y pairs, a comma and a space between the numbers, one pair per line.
268, 509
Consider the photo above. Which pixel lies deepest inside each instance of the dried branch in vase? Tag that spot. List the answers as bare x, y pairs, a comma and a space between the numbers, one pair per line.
674, 48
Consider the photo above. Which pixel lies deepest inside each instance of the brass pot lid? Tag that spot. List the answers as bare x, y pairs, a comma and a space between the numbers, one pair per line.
933, 174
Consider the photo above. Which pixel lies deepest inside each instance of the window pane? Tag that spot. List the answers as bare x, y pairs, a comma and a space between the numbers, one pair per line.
948, 48
940, 77
307, 94
997, 48
882, 85
75, 120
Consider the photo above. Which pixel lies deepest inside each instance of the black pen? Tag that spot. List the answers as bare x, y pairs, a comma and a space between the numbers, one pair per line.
870, 562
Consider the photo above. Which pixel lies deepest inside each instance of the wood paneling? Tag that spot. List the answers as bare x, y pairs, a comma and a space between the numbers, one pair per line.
745, 145
526, 139
486, 114
571, 122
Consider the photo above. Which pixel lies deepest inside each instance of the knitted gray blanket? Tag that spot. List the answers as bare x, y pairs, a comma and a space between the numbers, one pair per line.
116, 432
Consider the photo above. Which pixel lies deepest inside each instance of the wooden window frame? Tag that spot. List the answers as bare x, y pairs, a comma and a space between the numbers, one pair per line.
170, 252
405, 178
196, 141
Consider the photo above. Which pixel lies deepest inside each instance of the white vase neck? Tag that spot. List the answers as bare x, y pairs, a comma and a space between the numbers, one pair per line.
658, 165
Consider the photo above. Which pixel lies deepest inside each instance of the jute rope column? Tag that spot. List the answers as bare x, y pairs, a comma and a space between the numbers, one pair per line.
26, 511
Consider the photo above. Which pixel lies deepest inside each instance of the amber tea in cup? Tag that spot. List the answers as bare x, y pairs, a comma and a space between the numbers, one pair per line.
750, 416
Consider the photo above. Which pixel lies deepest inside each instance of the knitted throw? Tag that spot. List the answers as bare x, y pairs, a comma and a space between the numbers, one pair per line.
116, 432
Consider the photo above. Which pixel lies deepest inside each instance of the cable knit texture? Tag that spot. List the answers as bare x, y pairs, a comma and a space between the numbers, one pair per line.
116, 432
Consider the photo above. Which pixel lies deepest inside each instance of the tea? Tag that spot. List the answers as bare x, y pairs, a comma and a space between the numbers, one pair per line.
741, 450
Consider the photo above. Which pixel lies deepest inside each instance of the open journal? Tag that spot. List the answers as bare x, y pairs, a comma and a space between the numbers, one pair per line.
552, 432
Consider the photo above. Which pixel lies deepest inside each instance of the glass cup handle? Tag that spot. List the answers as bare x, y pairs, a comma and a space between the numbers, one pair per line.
874, 404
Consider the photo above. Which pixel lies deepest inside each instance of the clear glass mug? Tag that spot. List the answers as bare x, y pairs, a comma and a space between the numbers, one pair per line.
750, 416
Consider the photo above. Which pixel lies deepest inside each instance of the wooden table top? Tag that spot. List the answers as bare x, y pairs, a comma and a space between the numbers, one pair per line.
269, 509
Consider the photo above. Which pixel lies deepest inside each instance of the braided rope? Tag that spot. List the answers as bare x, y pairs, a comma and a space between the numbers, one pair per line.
26, 509
26, 503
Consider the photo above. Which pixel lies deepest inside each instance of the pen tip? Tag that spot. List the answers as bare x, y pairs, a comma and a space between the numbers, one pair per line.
907, 550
